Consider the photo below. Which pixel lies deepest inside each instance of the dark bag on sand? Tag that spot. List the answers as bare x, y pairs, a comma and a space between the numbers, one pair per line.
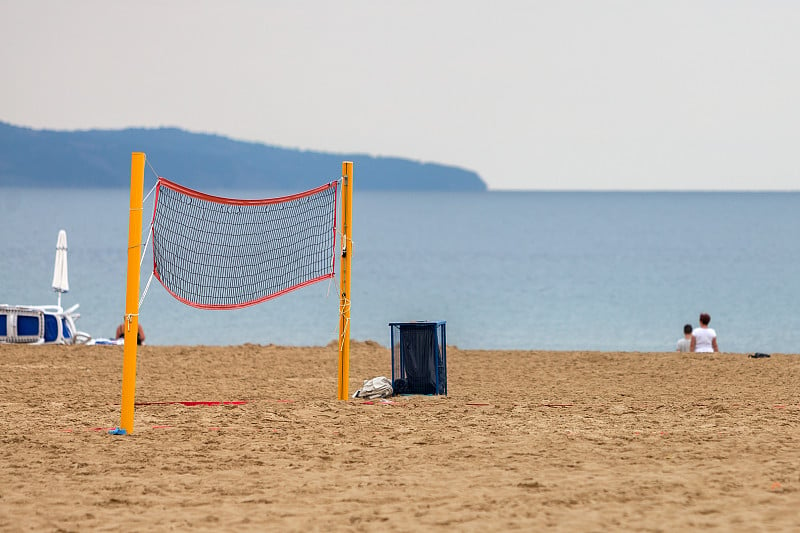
758, 355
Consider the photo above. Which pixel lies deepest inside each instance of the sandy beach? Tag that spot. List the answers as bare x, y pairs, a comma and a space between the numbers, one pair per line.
562, 441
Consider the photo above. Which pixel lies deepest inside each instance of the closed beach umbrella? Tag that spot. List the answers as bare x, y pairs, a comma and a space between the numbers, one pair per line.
60, 275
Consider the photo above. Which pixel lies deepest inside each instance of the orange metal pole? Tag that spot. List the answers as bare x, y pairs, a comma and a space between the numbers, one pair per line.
132, 292
344, 301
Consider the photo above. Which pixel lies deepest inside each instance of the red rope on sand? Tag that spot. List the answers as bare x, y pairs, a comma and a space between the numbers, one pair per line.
192, 404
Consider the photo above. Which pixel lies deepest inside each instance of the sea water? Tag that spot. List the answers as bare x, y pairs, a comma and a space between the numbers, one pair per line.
506, 270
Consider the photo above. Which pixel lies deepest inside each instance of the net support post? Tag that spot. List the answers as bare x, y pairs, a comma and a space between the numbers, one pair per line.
344, 299
132, 294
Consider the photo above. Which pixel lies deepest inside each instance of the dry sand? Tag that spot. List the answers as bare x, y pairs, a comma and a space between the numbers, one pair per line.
569, 441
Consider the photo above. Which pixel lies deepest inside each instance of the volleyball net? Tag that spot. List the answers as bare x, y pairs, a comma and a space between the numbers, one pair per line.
221, 253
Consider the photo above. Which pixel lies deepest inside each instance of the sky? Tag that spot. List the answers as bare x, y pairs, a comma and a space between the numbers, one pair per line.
531, 95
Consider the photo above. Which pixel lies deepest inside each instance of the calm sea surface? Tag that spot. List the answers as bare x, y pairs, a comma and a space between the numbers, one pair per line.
506, 270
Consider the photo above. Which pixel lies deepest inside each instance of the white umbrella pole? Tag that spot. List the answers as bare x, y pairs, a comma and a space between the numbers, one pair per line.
60, 275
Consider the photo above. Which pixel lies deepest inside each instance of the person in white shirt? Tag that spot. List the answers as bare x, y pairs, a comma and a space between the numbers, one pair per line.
685, 344
704, 339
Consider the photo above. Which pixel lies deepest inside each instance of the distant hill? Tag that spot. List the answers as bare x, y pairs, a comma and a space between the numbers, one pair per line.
101, 158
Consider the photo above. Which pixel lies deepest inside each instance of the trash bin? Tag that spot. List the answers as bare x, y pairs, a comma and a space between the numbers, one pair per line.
419, 357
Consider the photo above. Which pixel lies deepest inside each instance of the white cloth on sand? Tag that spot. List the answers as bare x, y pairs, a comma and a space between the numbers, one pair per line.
380, 387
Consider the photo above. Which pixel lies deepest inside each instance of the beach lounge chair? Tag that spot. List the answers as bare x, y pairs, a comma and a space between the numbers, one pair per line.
47, 324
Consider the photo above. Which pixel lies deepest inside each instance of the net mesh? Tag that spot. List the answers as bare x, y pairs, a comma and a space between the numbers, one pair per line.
222, 253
